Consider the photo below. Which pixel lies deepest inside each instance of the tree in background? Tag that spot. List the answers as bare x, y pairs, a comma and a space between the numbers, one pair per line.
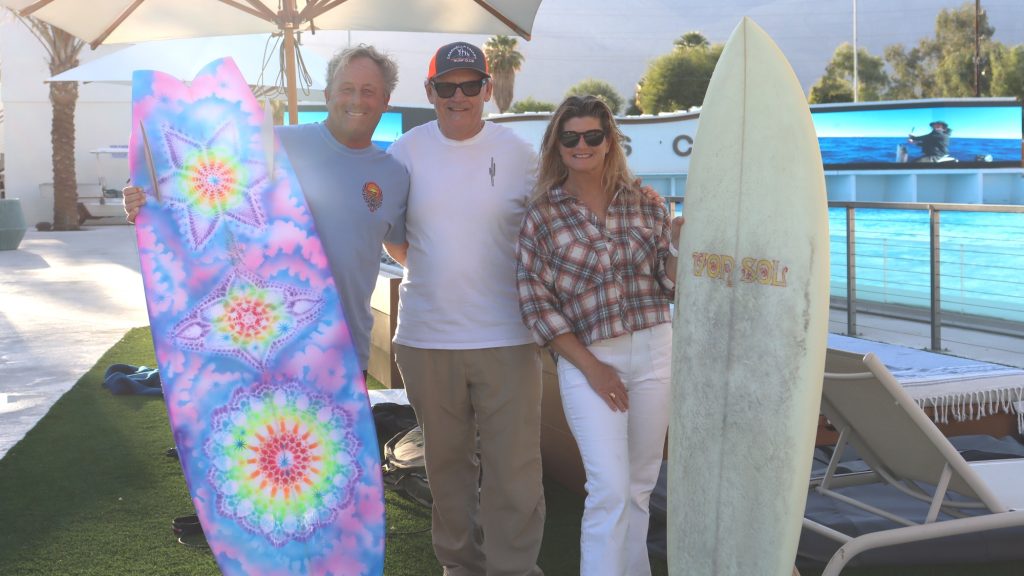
911, 76
529, 104
692, 39
599, 88
633, 108
952, 50
1008, 71
837, 83
939, 67
63, 50
504, 61
828, 90
678, 80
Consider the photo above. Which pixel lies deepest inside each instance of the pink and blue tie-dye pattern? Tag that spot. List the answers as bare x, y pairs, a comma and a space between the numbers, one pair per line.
262, 385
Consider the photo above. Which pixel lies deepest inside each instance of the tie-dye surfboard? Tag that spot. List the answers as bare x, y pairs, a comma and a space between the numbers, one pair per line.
263, 388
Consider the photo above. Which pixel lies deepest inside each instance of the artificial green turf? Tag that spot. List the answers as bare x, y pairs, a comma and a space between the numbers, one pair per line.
90, 491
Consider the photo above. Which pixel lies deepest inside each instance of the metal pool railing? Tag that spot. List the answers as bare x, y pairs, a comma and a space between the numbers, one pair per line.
952, 264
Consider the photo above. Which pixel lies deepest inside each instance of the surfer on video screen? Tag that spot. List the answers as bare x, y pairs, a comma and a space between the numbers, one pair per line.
935, 144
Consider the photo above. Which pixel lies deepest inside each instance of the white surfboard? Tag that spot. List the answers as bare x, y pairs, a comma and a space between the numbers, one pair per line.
751, 320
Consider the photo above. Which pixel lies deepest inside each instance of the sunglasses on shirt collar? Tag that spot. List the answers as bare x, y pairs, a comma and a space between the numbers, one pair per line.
571, 139
469, 88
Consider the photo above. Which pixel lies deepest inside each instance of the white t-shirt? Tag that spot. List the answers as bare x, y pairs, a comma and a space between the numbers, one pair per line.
467, 199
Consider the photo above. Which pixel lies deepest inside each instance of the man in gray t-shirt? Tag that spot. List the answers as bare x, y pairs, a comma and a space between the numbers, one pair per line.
357, 197
356, 192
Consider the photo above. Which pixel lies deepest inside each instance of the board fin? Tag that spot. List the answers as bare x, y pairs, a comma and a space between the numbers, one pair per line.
268, 136
149, 162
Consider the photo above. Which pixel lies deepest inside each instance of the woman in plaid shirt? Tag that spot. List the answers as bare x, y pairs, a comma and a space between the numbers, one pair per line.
597, 264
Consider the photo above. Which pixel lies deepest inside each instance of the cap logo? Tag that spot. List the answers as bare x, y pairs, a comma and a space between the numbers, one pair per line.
462, 54
456, 56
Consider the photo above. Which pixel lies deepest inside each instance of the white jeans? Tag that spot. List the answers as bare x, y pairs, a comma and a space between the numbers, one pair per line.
622, 451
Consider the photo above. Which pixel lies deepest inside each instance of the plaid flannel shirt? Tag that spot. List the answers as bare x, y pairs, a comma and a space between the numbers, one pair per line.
597, 282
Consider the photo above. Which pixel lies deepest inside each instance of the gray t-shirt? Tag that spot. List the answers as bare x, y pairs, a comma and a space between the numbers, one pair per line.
358, 199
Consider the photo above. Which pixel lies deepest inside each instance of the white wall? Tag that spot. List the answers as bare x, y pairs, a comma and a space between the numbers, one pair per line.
656, 144
102, 118
2, 123
5, 16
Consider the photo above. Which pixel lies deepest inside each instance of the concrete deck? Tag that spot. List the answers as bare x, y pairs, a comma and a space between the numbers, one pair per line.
65, 298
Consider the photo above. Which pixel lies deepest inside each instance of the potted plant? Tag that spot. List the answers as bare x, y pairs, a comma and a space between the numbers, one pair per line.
12, 223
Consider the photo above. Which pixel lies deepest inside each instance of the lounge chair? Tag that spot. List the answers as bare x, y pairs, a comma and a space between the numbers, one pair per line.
905, 450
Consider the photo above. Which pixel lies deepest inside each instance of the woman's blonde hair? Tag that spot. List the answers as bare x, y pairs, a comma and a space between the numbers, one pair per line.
552, 172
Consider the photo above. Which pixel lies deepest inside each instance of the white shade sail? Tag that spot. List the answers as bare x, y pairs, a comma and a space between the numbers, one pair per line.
258, 57
124, 21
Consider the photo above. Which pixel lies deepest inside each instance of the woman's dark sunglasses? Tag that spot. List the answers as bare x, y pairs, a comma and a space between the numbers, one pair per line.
571, 139
469, 88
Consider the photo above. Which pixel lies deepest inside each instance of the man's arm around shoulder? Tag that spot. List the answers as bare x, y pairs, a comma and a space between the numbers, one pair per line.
397, 251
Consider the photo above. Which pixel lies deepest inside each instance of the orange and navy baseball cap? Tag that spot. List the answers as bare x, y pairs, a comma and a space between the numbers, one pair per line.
458, 56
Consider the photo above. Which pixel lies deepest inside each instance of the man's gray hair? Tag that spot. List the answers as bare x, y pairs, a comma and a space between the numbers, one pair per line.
388, 67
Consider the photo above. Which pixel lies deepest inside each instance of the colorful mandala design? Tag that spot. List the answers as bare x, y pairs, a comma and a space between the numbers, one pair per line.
373, 196
261, 381
211, 181
283, 461
247, 318
207, 185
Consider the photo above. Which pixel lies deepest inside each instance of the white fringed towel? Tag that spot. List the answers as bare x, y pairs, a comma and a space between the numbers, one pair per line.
957, 388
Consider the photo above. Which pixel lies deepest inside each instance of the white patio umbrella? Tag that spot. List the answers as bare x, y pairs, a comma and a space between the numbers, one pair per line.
119, 21
258, 57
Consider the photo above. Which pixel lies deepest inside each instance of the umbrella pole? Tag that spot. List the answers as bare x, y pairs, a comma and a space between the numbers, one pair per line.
289, 56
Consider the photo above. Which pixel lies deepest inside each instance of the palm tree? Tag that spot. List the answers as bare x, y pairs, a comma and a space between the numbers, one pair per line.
692, 39
505, 61
63, 49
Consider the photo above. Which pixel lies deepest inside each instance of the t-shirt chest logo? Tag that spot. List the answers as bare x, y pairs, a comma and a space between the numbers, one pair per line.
373, 196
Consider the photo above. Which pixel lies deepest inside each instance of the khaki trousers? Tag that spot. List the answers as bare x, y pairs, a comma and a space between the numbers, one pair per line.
490, 525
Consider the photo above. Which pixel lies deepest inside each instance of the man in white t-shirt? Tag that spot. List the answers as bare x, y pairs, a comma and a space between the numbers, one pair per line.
468, 362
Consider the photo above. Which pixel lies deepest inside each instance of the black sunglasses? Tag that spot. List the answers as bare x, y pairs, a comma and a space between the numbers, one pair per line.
571, 139
469, 88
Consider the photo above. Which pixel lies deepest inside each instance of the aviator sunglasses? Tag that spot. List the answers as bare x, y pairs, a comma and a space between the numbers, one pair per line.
469, 88
571, 139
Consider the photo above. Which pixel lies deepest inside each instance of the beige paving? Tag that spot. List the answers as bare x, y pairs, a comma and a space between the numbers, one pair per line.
65, 298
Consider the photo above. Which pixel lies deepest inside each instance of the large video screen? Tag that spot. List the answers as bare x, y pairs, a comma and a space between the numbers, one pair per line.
389, 129
980, 134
